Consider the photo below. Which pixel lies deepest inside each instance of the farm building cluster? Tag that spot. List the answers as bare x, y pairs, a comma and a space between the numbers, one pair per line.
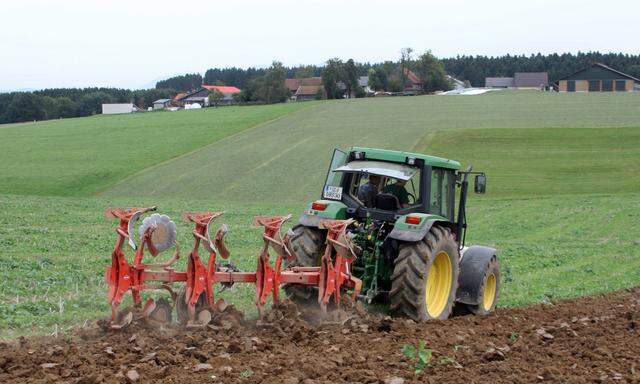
597, 77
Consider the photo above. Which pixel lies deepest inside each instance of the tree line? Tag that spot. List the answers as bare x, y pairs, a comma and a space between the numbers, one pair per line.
476, 68
339, 78
233, 76
71, 102
387, 75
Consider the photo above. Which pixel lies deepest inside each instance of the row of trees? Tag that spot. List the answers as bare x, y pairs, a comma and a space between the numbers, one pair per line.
183, 83
338, 78
341, 79
389, 74
393, 76
476, 68
71, 102
237, 77
267, 88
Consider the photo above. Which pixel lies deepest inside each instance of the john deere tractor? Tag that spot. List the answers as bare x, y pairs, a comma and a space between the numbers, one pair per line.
408, 235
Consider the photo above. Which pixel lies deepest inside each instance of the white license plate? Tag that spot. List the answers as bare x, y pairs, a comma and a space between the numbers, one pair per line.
332, 193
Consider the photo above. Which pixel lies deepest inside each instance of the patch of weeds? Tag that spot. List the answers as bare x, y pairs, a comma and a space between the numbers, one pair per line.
420, 355
446, 360
507, 277
513, 337
547, 298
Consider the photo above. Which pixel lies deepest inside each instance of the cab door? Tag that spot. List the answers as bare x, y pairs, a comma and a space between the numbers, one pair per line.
333, 184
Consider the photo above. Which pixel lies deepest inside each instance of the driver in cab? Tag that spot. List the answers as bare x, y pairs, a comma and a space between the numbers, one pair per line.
398, 190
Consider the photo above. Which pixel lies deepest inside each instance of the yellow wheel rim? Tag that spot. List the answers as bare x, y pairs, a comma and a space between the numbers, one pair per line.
489, 294
438, 285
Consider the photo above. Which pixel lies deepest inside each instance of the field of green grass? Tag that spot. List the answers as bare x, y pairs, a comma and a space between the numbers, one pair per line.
548, 161
250, 165
563, 200
80, 156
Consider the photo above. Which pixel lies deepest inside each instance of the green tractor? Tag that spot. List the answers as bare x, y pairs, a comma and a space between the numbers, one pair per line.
408, 235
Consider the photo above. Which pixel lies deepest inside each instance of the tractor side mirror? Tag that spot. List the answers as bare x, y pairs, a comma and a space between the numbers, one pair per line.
480, 184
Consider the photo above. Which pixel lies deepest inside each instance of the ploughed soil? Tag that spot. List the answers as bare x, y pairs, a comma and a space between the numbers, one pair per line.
590, 339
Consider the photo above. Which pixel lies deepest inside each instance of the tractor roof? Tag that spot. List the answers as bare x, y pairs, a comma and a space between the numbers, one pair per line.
401, 157
381, 168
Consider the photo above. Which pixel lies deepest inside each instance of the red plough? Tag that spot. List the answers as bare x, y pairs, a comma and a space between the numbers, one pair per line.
195, 300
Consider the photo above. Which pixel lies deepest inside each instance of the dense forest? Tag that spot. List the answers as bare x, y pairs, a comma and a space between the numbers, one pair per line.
476, 68
264, 85
71, 102
471, 68
182, 83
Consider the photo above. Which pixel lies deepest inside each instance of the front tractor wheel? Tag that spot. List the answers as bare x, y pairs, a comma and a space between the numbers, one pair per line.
425, 277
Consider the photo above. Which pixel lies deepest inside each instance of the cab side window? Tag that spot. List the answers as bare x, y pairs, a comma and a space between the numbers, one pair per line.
448, 192
442, 192
435, 199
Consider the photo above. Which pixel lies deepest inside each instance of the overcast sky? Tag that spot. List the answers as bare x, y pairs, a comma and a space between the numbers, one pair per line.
134, 43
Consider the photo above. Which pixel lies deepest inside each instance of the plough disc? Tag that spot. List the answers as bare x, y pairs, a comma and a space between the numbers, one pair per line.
163, 234
158, 312
182, 309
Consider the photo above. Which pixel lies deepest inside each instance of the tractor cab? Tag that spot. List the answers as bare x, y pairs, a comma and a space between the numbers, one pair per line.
386, 185
405, 190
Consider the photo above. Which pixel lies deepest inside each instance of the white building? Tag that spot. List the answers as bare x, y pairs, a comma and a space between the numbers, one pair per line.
363, 82
117, 108
162, 104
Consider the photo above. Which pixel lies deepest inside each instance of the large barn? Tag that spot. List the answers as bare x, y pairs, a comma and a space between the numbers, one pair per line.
598, 78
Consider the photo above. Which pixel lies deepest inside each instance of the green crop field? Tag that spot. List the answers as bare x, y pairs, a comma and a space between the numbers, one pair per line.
563, 201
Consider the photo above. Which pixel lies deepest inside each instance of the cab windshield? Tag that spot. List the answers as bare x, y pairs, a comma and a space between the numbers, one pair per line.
382, 185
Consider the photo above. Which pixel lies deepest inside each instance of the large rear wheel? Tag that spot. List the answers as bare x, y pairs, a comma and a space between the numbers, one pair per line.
308, 245
425, 277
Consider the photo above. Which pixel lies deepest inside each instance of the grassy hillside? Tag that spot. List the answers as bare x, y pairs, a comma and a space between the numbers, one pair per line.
249, 166
548, 161
76, 157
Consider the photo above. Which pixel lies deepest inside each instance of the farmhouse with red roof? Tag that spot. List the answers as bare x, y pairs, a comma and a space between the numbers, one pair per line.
201, 96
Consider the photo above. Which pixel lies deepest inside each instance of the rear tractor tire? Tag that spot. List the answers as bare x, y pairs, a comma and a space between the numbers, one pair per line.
308, 245
425, 277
